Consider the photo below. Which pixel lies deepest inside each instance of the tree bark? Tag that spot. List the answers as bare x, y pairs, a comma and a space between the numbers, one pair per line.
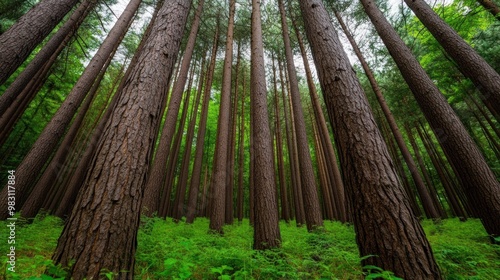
21, 39
54, 131
266, 226
491, 7
383, 219
157, 175
309, 189
480, 184
468, 61
219, 169
52, 48
101, 232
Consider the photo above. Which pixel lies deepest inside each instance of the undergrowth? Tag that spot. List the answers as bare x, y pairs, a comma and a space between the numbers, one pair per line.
168, 250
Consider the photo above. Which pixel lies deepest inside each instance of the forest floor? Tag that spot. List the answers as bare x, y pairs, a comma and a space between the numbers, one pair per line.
168, 250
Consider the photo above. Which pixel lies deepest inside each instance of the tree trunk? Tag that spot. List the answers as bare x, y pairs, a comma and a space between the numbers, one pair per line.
157, 174
219, 168
468, 61
241, 159
480, 184
491, 7
309, 190
21, 39
266, 226
53, 47
429, 208
383, 219
101, 232
54, 131
200, 138
326, 142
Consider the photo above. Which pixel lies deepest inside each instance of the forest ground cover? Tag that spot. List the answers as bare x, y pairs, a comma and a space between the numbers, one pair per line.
168, 250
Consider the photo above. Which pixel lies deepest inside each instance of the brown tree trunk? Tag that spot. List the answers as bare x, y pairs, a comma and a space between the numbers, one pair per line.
266, 226
285, 212
21, 39
326, 142
219, 169
491, 7
468, 61
480, 184
241, 159
427, 202
42, 187
200, 138
54, 130
383, 219
101, 232
52, 49
309, 190
157, 174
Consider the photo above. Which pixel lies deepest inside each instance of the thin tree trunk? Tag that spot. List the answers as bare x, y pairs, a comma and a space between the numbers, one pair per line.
266, 226
102, 230
480, 184
200, 138
241, 159
383, 219
491, 7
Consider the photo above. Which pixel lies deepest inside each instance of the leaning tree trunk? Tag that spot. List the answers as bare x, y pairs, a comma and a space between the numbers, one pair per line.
101, 232
427, 202
491, 7
157, 175
52, 48
468, 61
383, 219
42, 149
308, 180
266, 224
480, 184
21, 39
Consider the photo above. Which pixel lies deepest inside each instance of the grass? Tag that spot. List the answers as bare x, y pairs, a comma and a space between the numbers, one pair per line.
167, 250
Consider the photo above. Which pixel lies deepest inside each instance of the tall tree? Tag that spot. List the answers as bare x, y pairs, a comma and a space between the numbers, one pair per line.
480, 184
218, 185
21, 39
48, 140
470, 63
42, 58
308, 180
101, 231
383, 219
266, 224
157, 174
427, 202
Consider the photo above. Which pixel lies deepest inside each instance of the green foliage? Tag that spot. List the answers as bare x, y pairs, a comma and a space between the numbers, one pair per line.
168, 250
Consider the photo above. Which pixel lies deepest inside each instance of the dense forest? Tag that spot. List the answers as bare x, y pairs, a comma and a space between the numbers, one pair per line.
309, 139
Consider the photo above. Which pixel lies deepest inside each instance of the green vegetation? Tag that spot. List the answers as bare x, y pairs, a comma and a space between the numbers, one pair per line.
167, 250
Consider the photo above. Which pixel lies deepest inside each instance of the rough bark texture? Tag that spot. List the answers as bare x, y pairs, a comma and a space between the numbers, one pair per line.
429, 208
54, 131
62, 37
470, 63
157, 176
101, 232
21, 39
382, 216
480, 184
219, 177
308, 180
266, 227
